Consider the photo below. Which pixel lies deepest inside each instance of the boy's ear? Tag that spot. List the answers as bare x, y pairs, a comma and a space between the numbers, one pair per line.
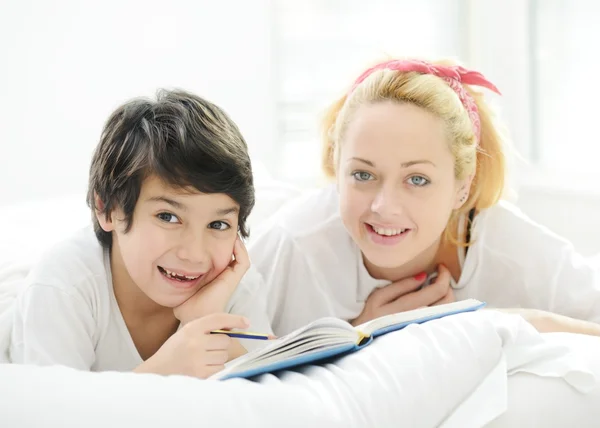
105, 220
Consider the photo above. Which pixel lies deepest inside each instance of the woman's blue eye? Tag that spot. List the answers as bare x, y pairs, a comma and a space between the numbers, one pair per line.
219, 225
417, 180
168, 217
362, 176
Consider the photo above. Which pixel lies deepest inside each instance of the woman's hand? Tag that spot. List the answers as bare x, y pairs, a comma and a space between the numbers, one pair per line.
407, 294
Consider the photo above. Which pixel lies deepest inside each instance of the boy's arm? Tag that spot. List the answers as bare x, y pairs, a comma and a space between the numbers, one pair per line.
249, 301
52, 327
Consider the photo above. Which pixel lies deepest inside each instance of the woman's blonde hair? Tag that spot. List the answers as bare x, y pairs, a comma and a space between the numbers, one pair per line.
485, 160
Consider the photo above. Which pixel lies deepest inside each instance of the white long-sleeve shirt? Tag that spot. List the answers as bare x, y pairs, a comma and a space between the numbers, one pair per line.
67, 313
312, 268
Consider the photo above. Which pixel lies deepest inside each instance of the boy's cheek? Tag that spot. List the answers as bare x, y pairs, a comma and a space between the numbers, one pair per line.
222, 258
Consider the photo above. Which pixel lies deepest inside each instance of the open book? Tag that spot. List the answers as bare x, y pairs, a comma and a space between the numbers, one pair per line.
331, 337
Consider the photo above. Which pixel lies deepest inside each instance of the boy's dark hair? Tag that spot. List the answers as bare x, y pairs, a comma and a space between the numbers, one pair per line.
182, 139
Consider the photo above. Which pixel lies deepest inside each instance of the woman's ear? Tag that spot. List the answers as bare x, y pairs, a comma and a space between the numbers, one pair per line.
462, 192
104, 219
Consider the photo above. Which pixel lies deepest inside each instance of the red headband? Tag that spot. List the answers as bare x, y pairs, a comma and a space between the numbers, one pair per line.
454, 75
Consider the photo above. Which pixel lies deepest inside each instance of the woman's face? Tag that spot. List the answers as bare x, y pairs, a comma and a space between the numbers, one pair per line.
396, 181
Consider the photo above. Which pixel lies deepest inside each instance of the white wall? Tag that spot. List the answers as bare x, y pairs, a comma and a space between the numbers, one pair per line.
574, 215
66, 64
561, 196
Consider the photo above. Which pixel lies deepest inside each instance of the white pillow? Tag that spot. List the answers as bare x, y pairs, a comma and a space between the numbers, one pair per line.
399, 380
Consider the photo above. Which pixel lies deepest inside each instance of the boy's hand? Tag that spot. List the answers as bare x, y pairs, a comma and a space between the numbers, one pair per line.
406, 294
193, 351
213, 297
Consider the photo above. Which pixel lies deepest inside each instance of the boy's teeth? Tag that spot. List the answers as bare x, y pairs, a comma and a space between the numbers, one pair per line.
387, 232
177, 276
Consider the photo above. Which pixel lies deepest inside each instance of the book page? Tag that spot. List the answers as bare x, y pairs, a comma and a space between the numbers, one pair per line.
320, 334
301, 349
372, 326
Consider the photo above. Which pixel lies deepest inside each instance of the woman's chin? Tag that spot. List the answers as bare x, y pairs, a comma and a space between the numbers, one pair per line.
386, 259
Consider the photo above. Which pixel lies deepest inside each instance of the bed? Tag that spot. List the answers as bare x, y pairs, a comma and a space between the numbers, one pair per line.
469, 370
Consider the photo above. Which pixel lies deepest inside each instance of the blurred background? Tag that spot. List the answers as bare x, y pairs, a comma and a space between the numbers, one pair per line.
274, 65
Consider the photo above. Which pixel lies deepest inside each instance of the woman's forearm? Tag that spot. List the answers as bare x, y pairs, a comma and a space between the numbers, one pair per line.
549, 322
561, 323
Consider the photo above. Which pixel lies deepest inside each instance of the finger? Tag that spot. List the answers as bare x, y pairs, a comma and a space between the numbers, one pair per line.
242, 260
444, 275
226, 282
205, 371
438, 289
397, 289
424, 297
216, 342
233, 273
216, 358
220, 321
448, 298
404, 303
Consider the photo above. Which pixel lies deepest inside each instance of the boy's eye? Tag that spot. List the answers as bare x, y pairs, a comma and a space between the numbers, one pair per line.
218, 225
419, 181
362, 176
168, 217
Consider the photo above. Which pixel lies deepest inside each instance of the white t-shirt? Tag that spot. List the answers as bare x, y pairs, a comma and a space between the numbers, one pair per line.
313, 269
67, 313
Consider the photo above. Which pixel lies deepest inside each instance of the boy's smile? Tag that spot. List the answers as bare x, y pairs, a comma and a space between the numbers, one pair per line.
181, 280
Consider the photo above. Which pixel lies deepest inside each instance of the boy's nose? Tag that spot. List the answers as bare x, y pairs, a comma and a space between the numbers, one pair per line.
192, 250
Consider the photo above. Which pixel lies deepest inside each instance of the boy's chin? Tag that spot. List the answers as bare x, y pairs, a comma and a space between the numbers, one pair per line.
169, 301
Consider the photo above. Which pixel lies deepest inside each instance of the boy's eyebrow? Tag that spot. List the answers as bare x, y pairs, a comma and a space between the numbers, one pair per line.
226, 211
169, 201
220, 212
403, 165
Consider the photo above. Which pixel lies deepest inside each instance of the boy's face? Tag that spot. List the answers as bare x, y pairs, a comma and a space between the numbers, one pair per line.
179, 241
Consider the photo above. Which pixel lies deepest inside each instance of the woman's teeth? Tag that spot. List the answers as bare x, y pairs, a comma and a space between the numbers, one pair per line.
179, 277
388, 232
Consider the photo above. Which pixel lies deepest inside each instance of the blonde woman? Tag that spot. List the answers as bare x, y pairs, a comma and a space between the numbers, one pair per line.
418, 167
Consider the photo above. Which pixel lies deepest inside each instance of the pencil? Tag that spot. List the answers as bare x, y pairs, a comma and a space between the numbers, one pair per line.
243, 334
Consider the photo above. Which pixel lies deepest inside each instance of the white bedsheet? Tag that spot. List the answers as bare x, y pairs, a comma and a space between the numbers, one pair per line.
546, 402
437, 374
11, 279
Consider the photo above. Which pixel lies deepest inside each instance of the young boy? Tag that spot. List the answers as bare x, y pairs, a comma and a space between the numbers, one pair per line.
170, 188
